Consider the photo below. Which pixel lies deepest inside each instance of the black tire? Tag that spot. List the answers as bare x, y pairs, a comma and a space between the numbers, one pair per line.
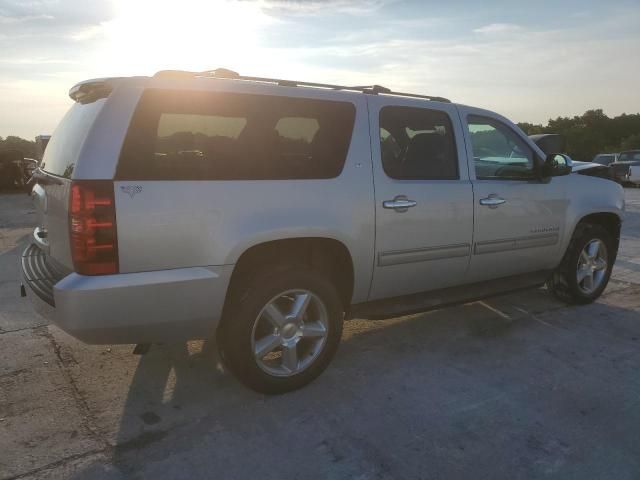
564, 282
234, 336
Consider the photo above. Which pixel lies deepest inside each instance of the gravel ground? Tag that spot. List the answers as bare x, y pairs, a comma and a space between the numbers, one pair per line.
519, 386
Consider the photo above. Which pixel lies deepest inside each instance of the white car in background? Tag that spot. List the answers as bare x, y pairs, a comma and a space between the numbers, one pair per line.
634, 175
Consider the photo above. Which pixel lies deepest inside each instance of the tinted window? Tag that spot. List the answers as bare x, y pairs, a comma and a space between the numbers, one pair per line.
417, 143
214, 136
629, 156
64, 147
498, 152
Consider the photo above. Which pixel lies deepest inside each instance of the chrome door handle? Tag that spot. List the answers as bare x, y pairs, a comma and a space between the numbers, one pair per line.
492, 201
399, 204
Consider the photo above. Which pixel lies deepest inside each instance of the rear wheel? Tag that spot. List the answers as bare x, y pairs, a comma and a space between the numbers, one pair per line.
586, 267
281, 330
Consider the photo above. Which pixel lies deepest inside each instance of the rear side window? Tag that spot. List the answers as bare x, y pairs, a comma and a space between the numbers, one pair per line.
178, 135
63, 149
417, 143
629, 156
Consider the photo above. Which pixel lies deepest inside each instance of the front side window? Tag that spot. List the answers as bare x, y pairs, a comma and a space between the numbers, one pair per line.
417, 143
498, 152
223, 136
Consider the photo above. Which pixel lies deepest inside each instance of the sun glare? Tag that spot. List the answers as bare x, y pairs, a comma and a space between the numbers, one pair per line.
149, 35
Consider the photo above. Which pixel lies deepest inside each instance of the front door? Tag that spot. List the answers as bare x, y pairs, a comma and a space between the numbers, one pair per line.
519, 219
424, 199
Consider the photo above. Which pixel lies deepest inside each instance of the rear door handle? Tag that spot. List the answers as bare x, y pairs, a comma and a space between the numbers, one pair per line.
399, 203
492, 201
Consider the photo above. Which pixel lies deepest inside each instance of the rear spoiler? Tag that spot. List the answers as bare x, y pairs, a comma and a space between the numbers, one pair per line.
91, 90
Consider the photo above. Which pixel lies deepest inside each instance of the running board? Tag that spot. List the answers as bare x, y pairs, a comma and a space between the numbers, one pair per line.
422, 302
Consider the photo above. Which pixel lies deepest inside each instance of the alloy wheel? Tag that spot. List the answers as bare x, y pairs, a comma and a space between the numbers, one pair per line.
289, 333
592, 266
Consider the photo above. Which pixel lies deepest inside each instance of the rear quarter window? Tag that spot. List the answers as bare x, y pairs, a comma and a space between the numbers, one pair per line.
178, 135
63, 149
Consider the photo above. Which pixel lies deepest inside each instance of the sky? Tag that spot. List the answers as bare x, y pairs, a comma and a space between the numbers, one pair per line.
529, 61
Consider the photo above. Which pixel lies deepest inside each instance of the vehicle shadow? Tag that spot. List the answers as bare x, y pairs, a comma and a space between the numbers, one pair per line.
503, 381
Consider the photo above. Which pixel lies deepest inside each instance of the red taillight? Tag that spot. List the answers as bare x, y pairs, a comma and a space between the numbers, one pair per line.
92, 227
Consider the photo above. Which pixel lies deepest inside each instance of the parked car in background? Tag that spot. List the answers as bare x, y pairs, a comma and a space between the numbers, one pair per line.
264, 212
15, 170
554, 142
633, 177
629, 156
621, 169
605, 158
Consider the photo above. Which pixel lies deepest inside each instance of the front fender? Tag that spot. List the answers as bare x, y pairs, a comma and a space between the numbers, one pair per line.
590, 195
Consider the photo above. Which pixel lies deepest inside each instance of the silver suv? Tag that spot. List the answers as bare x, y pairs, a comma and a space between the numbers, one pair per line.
264, 212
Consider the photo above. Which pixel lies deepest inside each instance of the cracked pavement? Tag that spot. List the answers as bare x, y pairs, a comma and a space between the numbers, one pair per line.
518, 386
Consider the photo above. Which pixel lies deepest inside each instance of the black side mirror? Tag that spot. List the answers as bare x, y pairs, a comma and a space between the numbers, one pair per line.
556, 165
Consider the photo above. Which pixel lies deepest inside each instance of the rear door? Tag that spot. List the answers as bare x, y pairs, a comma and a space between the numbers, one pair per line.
519, 219
423, 196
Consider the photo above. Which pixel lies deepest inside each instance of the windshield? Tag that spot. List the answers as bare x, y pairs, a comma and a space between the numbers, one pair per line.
604, 159
66, 142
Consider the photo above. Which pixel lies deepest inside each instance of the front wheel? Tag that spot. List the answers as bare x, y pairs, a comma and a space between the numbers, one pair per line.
586, 268
281, 329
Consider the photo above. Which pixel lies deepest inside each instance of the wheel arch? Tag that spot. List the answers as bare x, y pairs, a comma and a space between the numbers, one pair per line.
322, 254
610, 221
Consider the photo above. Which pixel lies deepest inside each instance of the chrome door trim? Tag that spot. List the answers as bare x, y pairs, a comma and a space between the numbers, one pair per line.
530, 241
398, 257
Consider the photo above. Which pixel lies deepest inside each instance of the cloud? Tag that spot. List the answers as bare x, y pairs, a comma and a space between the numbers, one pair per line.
87, 33
8, 20
498, 28
516, 65
36, 61
315, 7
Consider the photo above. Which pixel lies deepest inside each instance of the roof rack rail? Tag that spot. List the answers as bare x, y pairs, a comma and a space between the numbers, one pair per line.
230, 74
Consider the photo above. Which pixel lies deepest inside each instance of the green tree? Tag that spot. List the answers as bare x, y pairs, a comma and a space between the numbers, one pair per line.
632, 142
591, 133
27, 147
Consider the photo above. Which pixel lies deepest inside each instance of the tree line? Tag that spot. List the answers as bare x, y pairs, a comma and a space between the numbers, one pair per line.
593, 132
586, 135
28, 148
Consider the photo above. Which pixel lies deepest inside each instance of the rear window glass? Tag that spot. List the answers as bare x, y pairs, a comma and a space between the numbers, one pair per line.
178, 135
63, 149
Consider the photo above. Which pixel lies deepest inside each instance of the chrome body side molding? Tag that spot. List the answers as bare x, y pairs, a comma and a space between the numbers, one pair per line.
398, 257
532, 241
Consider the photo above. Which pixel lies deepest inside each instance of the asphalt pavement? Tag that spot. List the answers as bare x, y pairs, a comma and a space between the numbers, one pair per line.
519, 386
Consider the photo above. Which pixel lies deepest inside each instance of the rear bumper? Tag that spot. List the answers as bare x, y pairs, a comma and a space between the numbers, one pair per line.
145, 307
